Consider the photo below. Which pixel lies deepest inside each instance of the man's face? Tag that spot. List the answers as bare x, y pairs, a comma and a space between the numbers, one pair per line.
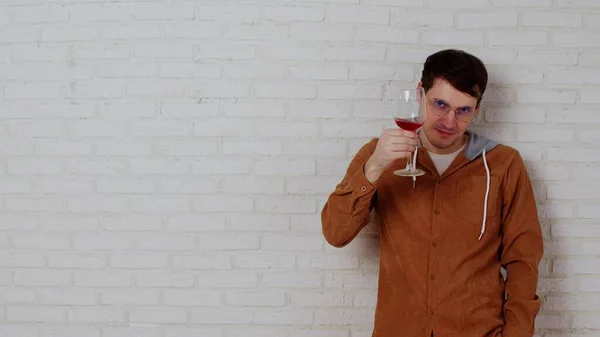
445, 130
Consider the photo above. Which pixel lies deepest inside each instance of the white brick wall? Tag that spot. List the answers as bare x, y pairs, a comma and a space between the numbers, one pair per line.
163, 163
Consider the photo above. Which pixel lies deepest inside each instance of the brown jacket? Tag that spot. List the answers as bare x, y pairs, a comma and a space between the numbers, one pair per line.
441, 252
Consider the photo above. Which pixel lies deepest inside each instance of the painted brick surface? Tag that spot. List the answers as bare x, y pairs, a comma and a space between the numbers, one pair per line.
163, 163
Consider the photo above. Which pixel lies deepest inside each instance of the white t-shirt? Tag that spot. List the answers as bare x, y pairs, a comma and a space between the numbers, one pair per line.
443, 161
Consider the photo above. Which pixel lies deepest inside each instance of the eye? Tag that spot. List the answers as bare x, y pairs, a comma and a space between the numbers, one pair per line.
465, 110
440, 104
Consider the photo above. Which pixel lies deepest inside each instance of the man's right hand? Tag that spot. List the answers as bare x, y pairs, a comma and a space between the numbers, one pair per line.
392, 145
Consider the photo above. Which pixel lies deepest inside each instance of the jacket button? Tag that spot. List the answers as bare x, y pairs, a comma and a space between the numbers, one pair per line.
432, 277
363, 188
436, 211
434, 244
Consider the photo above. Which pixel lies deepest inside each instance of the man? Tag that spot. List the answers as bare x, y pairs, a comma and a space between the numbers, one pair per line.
444, 242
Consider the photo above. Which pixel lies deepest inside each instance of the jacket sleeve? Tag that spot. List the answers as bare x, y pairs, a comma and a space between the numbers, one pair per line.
348, 207
521, 253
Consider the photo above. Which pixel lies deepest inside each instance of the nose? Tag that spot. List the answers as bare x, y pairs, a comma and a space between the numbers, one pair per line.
449, 120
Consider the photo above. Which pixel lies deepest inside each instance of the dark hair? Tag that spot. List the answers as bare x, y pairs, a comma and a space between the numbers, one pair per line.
462, 70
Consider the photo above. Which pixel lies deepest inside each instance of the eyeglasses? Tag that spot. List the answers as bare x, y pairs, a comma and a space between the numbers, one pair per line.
442, 108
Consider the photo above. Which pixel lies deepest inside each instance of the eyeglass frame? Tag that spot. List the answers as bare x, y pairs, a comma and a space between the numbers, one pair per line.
449, 108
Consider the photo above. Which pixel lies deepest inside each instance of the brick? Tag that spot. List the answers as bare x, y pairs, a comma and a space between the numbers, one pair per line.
517, 38
547, 57
92, 205
286, 13
234, 241
138, 260
158, 315
163, 49
531, 134
42, 278
255, 70
158, 11
187, 185
546, 96
577, 4
259, 223
290, 279
320, 298
589, 284
225, 51
256, 299
20, 33
344, 91
551, 20
97, 314
284, 167
343, 316
321, 31
21, 259
285, 90
131, 331
535, 115
222, 316
585, 265
225, 165
203, 298
452, 38
359, 14
13, 295
573, 302
86, 50
125, 186
223, 204
165, 242
164, 279
327, 261
580, 40
359, 52
195, 223
40, 241
286, 205
241, 185
205, 261
187, 148
102, 279
253, 108
486, 20
32, 313
192, 332
403, 18
119, 69
265, 260
193, 30
227, 279
76, 261
388, 73
522, 3
69, 331
227, 12
100, 12
387, 34
574, 231
260, 32
575, 155
350, 279
295, 316
70, 296
103, 241
574, 77
156, 165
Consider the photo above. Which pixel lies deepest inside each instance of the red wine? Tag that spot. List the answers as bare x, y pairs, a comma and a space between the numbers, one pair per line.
409, 124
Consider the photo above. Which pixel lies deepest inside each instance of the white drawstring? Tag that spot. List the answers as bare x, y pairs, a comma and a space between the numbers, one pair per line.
487, 191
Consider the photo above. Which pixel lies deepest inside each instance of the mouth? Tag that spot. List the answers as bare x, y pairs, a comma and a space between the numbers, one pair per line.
444, 133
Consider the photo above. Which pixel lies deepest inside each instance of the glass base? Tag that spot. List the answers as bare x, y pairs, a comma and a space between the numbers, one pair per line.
409, 172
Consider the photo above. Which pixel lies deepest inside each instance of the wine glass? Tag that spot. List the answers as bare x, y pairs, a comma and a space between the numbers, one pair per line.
409, 114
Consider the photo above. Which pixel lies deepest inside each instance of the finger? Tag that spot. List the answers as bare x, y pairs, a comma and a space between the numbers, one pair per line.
402, 148
403, 140
402, 133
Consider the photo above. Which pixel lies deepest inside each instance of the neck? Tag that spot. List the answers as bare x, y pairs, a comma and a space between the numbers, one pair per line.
432, 148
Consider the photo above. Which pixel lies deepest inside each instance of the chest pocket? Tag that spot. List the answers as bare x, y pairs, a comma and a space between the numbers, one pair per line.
470, 199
